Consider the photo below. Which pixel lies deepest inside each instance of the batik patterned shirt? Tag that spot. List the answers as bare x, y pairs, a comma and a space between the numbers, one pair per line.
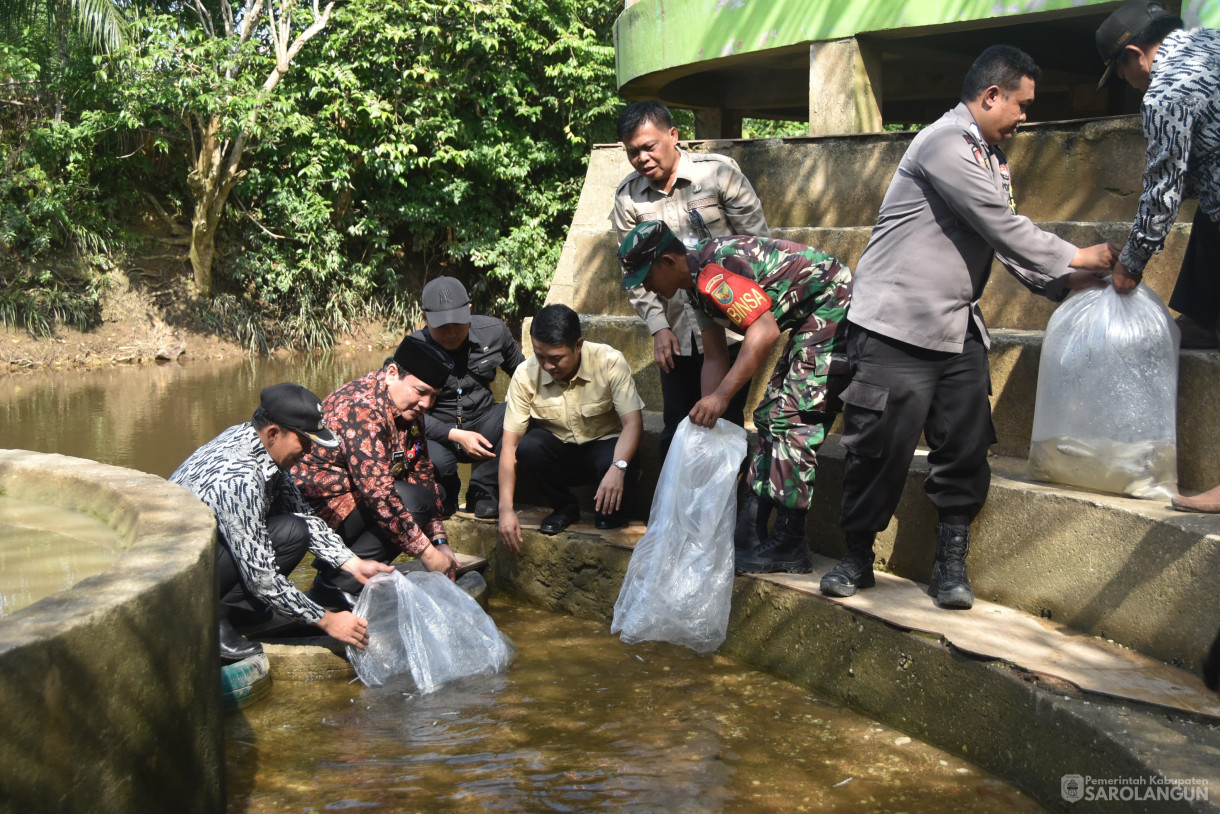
376, 446
1181, 118
235, 476
791, 280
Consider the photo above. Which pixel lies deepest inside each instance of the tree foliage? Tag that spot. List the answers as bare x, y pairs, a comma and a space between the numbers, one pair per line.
408, 139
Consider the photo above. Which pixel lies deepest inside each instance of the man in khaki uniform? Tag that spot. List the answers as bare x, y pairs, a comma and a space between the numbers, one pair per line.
573, 416
697, 195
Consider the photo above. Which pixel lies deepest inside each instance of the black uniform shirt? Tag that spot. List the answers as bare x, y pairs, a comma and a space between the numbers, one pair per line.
467, 392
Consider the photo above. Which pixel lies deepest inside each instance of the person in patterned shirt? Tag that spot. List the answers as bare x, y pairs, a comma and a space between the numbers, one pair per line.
759, 287
1179, 72
377, 487
263, 524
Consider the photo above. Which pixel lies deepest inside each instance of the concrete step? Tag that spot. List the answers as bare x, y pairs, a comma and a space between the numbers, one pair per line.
970, 681
1134, 571
1014, 357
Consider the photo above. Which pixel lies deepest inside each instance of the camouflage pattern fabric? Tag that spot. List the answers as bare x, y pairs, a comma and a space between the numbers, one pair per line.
810, 292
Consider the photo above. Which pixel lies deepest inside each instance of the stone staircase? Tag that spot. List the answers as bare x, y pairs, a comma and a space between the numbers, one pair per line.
1129, 570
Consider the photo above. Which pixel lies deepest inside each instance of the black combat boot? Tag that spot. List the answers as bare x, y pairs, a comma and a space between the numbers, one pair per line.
784, 549
854, 571
752, 523
949, 585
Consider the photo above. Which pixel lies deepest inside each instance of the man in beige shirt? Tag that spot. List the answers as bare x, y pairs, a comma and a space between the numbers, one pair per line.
697, 195
573, 416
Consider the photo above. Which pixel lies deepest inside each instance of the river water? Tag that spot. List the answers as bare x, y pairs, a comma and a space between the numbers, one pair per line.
151, 417
580, 722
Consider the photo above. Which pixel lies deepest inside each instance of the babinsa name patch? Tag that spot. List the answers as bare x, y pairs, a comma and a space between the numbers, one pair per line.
739, 298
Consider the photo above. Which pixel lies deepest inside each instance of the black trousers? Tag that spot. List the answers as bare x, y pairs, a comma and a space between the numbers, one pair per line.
897, 391
362, 534
1197, 292
485, 475
554, 466
681, 389
289, 540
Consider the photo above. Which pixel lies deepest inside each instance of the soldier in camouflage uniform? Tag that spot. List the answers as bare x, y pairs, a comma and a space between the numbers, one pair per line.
759, 287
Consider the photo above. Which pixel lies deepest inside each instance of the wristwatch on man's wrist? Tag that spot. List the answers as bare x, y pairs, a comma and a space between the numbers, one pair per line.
621, 464
440, 541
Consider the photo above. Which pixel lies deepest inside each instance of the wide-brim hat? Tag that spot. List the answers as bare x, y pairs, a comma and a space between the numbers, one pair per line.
1126, 23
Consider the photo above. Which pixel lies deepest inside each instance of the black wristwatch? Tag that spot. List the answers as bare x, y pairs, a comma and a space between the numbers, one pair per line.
440, 541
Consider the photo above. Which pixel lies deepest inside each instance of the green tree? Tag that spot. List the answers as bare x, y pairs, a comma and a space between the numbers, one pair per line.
220, 82
431, 130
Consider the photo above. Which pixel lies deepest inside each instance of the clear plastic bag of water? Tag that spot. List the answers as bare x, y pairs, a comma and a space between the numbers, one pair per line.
679, 583
1106, 412
427, 630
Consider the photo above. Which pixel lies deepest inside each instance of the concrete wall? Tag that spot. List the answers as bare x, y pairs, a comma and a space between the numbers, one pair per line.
110, 691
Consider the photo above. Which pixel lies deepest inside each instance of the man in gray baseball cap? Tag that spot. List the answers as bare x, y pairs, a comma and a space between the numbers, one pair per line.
465, 423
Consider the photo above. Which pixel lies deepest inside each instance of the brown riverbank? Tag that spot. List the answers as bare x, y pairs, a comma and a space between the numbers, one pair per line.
141, 326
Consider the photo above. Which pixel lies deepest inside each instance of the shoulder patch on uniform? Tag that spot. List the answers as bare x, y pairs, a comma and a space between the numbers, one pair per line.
974, 147
717, 157
739, 298
630, 177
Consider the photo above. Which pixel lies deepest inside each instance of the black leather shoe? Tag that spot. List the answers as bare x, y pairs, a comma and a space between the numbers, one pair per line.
559, 520
614, 520
485, 508
234, 646
330, 597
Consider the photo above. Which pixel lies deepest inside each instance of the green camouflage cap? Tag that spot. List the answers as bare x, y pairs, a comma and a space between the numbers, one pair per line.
644, 243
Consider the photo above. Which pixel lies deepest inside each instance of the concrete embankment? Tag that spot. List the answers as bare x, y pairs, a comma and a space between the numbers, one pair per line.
110, 690
1028, 726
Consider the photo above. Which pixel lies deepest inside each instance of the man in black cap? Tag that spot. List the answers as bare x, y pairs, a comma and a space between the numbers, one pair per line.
465, 423
377, 486
264, 525
1179, 72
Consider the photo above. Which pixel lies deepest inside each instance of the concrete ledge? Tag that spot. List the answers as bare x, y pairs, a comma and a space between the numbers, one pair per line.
1027, 728
1134, 571
111, 689
1015, 356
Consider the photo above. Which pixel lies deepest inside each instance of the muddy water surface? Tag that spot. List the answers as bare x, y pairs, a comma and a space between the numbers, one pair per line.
152, 417
45, 549
582, 722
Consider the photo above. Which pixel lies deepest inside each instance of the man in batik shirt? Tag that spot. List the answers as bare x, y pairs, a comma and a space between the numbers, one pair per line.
378, 487
263, 525
759, 287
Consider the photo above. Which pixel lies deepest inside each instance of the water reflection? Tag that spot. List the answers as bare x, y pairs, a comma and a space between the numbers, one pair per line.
152, 417
581, 722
